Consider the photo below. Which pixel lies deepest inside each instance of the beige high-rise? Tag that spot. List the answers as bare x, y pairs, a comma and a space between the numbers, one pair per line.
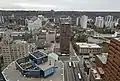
12, 50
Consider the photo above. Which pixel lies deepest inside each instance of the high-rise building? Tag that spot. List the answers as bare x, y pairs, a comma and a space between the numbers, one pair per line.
83, 21
99, 22
1, 19
112, 68
12, 49
78, 21
65, 34
109, 21
34, 25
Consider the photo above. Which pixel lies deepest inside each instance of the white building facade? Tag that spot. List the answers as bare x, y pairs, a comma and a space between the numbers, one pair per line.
34, 25
87, 48
99, 22
1, 19
83, 21
78, 21
109, 21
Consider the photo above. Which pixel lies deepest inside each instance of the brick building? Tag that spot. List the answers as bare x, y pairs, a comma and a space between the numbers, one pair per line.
112, 68
65, 32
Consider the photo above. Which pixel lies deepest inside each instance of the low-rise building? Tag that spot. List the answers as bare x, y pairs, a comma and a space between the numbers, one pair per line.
101, 60
94, 75
87, 48
38, 66
87, 66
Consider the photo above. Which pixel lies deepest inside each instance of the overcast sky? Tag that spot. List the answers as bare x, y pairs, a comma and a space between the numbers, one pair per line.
90, 5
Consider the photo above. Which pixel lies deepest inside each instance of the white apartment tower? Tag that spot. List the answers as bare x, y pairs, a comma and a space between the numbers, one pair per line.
78, 21
12, 50
99, 22
1, 19
83, 21
109, 21
34, 25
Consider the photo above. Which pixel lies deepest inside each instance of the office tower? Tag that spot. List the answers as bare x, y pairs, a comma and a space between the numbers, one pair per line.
12, 49
112, 68
78, 21
99, 22
83, 21
109, 21
65, 34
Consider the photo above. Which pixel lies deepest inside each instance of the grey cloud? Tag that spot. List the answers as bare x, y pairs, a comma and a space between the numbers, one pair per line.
61, 4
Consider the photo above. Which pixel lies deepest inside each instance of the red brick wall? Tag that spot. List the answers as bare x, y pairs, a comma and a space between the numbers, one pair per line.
112, 70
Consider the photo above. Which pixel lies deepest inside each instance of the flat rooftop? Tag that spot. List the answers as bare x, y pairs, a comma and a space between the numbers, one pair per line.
65, 21
47, 64
19, 42
38, 54
28, 66
88, 45
11, 74
103, 57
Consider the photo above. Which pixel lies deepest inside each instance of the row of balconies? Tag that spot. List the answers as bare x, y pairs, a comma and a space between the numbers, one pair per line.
108, 76
114, 50
113, 68
114, 57
117, 42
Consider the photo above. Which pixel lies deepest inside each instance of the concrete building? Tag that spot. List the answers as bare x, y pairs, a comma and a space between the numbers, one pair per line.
65, 35
117, 34
87, 66
24, 35
94, 75
112, 69
57, 37
1, 60
1, 20
40, 38
12, 50
87, 48
78, 21
50, 36
99, 22
34, 25
109, 21
83, 21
